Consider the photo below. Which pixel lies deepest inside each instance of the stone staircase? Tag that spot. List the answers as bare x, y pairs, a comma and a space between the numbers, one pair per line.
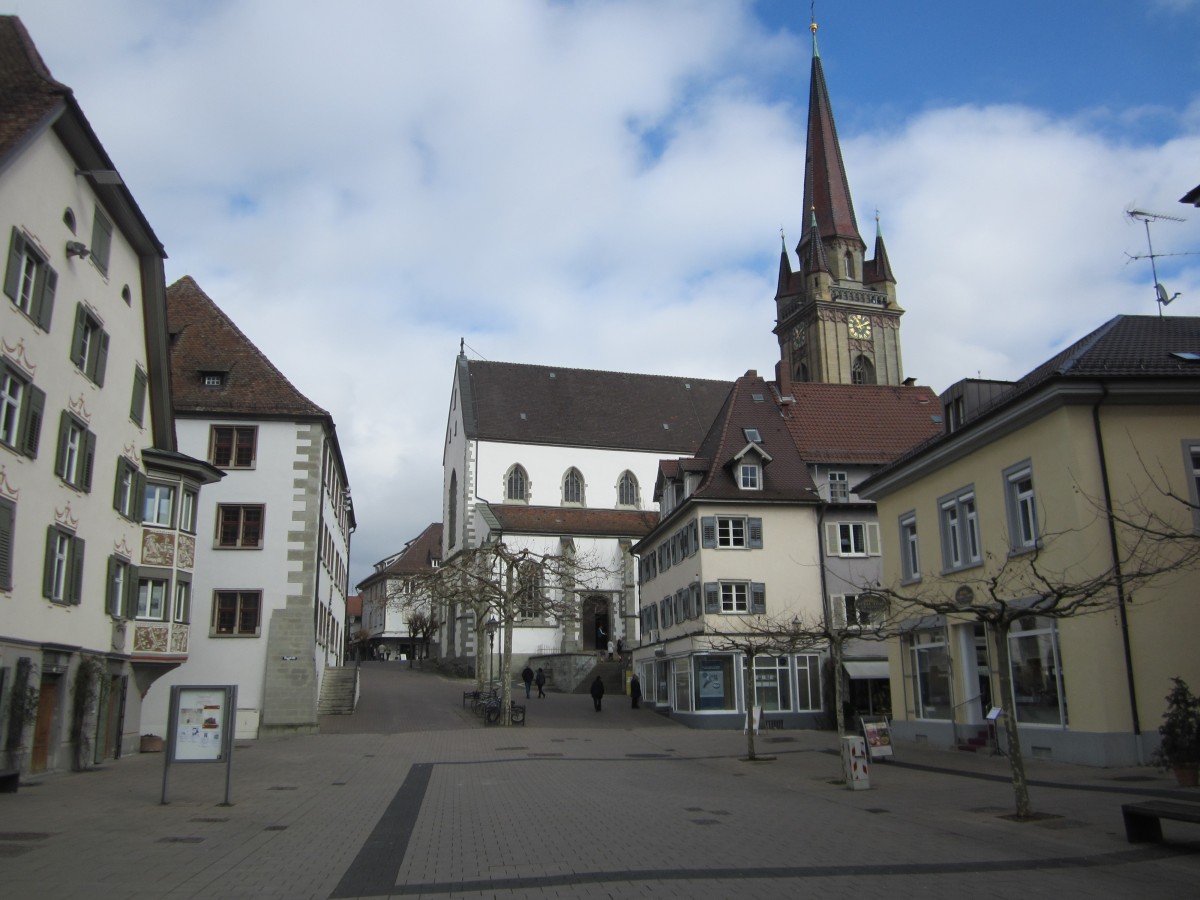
610, 673
337, 691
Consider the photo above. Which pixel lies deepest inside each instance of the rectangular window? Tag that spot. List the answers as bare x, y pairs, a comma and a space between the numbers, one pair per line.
839, 488
236, 612
62, 580
713, 683
239, 526
137, 404
152, 599
187, 511
735, 597
731, 532
22, 406
234, 447
182, 609
852, 538
750, 480
8, 522
159, 505
29, 281
129, 489
931, 671
120, 594
1036, 671
76, 453
101, 241
959, 530
1022, 512
910, 551
808, 682
89, 345
771, 683
1192, 455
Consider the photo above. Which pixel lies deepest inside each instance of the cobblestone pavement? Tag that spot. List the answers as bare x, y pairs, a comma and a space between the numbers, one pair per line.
412, 797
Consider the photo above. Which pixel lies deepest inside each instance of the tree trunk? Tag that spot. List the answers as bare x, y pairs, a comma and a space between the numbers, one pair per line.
1015, 760
835, 651
748, 678
506, 668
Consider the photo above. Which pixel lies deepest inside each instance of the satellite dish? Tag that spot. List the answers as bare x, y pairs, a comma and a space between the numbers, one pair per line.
1162, 294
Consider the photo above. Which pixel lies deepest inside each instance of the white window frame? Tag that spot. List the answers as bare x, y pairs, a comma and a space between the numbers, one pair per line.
910, 548
12, 393
958, 520
750, 476
1021, 503
151, 598
839, 487
735, 598
155, 517
61, 567
731, 532
852, 539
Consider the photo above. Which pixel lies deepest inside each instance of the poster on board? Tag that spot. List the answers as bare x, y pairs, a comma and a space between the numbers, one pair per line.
203, 718
878, 735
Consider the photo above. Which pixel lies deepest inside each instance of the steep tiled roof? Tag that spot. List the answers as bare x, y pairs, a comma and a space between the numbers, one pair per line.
354, 606
752, 403
586, 408
204, 339
569, 520
28, 92
860, 423
419, 554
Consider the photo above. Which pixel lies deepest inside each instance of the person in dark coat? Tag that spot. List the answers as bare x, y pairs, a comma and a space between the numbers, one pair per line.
527, 677
635, 690
597, 691
540, 681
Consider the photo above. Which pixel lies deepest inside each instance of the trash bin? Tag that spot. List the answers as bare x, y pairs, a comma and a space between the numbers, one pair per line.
856, 767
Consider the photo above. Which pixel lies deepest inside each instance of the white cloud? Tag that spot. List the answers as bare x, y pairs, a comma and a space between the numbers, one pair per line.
597, 185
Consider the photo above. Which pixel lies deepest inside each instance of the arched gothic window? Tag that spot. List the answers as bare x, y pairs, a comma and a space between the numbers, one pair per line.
862, 372
452, 508
627, 489
516, 485
572, 488
849, 261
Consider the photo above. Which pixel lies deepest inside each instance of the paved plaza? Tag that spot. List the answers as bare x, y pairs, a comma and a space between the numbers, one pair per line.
413, 797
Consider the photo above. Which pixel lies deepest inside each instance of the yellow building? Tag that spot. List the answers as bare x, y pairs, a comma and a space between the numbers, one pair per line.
1030, 504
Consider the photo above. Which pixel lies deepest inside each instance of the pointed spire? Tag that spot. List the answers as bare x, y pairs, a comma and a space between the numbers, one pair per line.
881, 265
813, 28
826, 188
785, 268
813, 258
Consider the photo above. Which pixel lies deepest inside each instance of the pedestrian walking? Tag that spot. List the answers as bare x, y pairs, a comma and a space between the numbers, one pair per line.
635, 690
540, 680
527, 677
597, 691
620, 648
610, 651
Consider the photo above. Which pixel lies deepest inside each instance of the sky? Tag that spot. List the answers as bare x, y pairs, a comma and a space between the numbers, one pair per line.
603, 184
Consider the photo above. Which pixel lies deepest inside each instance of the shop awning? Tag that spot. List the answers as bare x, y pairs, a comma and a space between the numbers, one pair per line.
861, 670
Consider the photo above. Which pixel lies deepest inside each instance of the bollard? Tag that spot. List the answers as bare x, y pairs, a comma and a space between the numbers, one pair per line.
856, 767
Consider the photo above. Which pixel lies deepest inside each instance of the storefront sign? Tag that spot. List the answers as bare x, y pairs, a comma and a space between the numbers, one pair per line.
878, 735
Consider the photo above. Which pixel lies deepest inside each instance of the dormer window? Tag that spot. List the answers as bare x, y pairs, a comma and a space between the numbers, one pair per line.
752, 435
212, 379
750, 476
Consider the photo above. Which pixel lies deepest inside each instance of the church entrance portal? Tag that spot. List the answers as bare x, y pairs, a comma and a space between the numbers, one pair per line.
596, 623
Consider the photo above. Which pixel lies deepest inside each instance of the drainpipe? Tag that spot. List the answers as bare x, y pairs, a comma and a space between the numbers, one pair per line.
1122, 600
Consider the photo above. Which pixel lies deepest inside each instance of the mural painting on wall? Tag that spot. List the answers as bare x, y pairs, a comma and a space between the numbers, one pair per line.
179, 639
158, 549
187, 551
150, 638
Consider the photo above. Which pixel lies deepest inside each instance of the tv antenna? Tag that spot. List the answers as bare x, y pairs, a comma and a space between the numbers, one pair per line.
1160, 293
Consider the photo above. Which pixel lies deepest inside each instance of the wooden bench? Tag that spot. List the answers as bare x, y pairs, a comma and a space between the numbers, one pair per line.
1143, 821
9, 780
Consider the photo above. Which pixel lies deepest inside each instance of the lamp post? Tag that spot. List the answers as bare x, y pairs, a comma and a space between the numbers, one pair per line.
491, 633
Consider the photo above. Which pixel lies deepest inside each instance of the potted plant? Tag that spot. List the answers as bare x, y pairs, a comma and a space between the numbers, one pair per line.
1179, 749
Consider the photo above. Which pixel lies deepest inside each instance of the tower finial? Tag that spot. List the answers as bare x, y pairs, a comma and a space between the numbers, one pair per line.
813, 27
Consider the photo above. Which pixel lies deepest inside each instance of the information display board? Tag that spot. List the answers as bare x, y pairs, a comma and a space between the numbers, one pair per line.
200, 726
878, 735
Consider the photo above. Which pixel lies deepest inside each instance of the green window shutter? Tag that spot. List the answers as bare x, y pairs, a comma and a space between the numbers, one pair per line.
758, 597
129, 609
42, 308
12, 275
30, 428
77, 337
754, 526
708, 526
60, 460
137, 407
122, 467
712, 598
75, 570
99, 362
88, 461
8, 515
112, 603
48, 567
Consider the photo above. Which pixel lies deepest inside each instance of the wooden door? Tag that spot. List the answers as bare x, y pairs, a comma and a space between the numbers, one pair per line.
43, 729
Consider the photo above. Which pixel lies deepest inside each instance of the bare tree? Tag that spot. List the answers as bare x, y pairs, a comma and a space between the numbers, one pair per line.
423, 624
509, 583
868, 621
1050, 581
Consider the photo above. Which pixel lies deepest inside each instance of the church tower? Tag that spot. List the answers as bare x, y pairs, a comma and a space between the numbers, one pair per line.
837, 319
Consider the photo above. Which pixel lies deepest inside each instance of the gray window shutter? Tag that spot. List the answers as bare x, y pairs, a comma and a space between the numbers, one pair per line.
112, 603
697, 606
8, 515
137, 408
712, 598
32, 412
872, 530
694, 543
77, 337
121, 464
833, 541
100, 360
75, 570
43, 297
89, 461
665, 605
48, 568
756, 533
12, 275
708, 525
758, 597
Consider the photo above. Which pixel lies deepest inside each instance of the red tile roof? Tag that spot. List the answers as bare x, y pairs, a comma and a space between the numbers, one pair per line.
859, 423
419, 554
354, 606
28, 92
204, 339
569, 521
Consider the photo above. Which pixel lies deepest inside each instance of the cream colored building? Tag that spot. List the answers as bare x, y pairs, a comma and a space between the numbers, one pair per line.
1040, 476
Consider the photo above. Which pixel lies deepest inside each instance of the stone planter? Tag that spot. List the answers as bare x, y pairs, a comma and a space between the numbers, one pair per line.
151, 743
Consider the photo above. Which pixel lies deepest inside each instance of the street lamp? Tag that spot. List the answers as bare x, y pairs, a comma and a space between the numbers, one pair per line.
491, 626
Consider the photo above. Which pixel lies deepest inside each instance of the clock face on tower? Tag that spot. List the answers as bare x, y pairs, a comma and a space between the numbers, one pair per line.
799, 337
860, 327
